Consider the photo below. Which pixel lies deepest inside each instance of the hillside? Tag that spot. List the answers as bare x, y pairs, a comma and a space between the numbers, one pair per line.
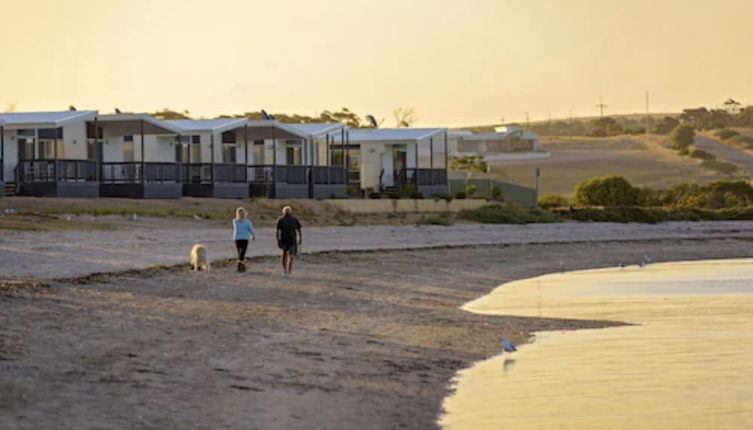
643, 160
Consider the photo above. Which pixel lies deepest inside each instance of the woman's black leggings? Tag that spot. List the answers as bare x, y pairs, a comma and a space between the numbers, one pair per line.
241, 245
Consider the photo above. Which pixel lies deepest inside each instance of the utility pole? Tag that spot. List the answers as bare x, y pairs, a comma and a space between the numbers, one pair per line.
601, 106
647, 113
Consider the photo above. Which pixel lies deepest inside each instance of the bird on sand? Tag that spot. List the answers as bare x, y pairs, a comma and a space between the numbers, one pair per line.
507, 346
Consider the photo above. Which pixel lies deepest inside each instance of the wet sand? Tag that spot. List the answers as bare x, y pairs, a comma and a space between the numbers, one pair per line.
684, 364
354, 340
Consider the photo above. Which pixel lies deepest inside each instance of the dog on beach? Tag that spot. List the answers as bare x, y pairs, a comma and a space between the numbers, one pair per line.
199, 258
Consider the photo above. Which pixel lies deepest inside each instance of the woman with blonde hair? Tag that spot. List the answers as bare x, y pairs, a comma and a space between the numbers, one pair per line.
243, 230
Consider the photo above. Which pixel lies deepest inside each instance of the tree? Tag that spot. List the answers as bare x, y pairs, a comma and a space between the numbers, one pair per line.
167, 114
682, 136
467, 166
404, 117
665, 125
606, 191
606, 126
732, 106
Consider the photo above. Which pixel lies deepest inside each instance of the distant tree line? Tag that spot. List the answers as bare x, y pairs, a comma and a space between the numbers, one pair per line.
404, 117
731, 114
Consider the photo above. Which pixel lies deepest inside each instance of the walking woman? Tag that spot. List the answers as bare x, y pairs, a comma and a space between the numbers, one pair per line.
243, 230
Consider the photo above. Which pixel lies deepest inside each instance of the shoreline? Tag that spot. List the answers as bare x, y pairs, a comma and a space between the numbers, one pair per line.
354, 339
647, 300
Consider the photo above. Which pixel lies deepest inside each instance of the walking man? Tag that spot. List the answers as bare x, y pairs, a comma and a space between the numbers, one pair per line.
289, 238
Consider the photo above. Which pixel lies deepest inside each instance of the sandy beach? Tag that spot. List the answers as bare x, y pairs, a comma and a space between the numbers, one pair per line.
356, 339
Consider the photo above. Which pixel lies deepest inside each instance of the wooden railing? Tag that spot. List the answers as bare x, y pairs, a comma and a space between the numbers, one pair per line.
421, 177
130, 172
206, 173
50, 170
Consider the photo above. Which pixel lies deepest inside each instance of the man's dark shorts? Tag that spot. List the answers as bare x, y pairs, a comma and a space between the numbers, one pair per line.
289, 247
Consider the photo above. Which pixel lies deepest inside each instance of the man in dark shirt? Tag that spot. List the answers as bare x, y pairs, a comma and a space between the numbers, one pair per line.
288, 238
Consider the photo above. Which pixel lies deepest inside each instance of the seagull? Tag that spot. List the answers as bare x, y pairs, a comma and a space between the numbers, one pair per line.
117, 111
507, 346
647, 259
135, 217
197, 218
72, 108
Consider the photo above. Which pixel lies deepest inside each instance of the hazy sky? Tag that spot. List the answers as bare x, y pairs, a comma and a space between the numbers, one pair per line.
456, 62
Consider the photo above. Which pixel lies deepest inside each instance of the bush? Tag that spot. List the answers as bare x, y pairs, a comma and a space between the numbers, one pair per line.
726, 133
495, 193
352, 190
682, 136
374, 195
470, 190
719, 166
460, 195
505, 214
606, 191
701, 154
683, 152
549, 201
665, 125
650, 197
437, 220
655, 215
416, 195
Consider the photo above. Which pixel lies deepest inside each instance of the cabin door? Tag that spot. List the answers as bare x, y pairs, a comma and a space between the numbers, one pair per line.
388, 170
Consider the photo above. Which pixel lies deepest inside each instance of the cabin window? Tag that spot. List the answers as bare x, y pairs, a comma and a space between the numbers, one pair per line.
293, 153
229, 154
258, 152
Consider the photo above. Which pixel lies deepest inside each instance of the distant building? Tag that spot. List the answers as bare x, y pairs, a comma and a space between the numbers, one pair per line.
507, 142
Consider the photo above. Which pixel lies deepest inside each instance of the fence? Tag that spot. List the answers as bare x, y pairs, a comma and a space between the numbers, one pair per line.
511, 193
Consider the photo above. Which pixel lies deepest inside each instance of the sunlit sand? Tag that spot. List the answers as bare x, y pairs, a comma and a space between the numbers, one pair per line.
686, 363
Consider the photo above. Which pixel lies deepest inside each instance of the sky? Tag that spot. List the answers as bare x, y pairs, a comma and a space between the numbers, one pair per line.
455, 63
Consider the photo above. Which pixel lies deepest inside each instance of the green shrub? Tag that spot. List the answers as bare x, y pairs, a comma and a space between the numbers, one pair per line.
654, 215
683, 152
720, 166
682, 136
549, 201
726, 133
495, 193
651, 197
416, 195
460, 195
437, 220
374, 195
352, 190
506, 214
701, 154
606, 191
470, 190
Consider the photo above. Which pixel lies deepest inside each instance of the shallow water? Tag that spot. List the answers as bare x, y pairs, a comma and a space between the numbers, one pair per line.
688, 363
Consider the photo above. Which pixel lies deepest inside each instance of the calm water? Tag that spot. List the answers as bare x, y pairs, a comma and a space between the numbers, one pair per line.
687, 365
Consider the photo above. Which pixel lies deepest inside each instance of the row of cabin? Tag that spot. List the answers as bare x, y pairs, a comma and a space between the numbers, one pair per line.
87, 154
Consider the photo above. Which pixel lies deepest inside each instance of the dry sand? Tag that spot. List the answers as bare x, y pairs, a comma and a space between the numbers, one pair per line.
354, 340
150, 242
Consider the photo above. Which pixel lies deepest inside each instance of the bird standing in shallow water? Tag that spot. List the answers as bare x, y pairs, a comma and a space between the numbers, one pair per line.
507, 346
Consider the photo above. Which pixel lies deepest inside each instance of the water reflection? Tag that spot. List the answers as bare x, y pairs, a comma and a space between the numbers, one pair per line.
687, 364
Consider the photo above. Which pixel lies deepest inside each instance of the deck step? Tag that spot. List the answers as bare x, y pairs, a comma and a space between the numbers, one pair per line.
10, 189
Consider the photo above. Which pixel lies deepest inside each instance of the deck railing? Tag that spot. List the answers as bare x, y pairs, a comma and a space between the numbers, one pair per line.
421, 177
50, 170
263, 174
206, 173
129, 172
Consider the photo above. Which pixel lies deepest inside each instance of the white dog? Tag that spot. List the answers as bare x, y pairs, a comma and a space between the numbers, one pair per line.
199, 258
